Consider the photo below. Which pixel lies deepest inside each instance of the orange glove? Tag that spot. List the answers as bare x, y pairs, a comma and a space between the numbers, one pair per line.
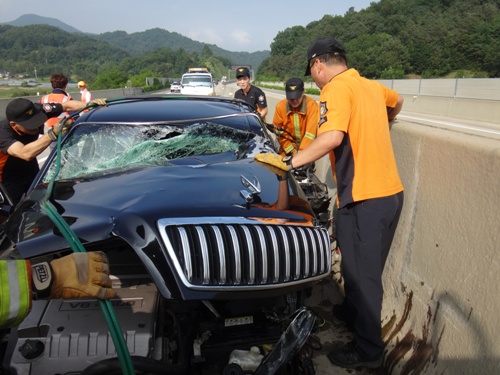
73, 276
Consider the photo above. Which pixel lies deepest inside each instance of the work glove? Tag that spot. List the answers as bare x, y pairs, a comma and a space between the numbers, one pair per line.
62, 125
280, 173
273, 159
73, 276
97, 102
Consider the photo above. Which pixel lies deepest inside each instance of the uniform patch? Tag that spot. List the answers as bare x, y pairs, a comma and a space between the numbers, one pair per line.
322, 109
322, 113
47, 107
261, 98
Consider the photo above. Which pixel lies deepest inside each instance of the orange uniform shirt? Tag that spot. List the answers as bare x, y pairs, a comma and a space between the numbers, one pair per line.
364, 164
300, 124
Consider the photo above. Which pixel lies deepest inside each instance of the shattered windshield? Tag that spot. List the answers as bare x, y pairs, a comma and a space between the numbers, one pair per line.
98, 149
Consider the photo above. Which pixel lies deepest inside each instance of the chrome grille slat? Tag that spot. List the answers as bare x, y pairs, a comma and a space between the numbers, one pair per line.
297, 255
251, 255
263, 247
306, 252
274, 248
204, 254
244, 254
186, 252
222, 255
286, 243
237, 255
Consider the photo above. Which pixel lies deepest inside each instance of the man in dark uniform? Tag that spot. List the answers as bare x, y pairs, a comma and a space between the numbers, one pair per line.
249, 93
22, 139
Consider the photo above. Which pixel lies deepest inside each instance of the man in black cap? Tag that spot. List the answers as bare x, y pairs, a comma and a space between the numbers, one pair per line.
354, 131
22, 140
249, 93
296, 118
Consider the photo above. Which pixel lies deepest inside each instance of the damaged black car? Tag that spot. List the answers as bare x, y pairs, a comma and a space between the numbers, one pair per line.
210, 252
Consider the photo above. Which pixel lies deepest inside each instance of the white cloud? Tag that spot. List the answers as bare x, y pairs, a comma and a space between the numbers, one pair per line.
241, 37
209, 36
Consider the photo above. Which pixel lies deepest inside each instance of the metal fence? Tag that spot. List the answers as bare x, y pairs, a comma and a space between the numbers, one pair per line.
465, 88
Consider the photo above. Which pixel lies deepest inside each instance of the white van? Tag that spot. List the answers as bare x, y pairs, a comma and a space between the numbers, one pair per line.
197, 81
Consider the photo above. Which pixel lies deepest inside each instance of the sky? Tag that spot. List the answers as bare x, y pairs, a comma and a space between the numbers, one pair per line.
246, 26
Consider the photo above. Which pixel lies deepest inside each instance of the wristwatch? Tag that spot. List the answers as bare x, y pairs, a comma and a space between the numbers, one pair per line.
288, 161
51, 134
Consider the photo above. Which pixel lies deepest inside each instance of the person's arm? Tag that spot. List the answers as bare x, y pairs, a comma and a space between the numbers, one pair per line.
72, 276
323, 144
31, 150
394, 111
73, 105
15, 292
263, 112
320, 147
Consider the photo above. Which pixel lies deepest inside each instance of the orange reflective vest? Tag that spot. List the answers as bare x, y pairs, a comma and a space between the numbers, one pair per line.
55, 98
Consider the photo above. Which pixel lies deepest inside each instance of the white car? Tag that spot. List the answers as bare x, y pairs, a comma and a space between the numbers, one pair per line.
175, 87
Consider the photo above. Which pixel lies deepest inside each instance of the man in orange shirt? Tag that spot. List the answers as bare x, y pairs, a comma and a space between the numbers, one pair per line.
296, 118
354, 131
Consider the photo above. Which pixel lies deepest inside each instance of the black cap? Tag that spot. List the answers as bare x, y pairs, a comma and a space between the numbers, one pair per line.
26, 113
322, 46
242, 72
294, 88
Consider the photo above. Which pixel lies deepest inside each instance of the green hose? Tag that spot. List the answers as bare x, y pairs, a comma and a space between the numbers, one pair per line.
70, 236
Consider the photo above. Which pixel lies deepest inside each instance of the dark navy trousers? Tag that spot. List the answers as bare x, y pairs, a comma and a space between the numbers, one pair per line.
364, 232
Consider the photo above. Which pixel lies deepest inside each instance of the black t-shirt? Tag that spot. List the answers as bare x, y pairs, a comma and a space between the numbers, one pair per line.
255, 97
17, 174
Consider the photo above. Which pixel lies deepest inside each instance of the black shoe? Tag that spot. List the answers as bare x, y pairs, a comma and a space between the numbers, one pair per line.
348, 356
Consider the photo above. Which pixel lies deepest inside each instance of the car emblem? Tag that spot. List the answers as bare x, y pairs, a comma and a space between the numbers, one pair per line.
253, 188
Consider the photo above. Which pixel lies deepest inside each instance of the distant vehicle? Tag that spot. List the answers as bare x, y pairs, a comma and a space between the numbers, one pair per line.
198, 81
175, 87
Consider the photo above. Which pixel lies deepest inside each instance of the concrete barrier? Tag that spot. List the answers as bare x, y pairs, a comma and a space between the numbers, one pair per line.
465, 109
441, 305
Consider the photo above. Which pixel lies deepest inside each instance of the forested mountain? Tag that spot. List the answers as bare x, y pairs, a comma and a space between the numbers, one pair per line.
33, 19
146, 41
398, 38
153, 39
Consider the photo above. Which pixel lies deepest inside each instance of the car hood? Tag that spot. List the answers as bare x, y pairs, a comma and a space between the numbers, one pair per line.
96, 209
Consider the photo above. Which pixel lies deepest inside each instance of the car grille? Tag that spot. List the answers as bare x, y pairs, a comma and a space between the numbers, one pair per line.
245, 254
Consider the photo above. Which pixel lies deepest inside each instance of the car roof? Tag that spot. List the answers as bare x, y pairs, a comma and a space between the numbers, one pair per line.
153, 108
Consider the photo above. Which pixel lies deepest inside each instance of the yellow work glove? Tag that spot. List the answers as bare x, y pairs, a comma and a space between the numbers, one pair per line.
273, 159
97, 102
73, 276
280, 173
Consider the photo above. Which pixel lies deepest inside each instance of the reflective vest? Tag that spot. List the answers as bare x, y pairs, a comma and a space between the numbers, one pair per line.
15, 292
86, 96
55, 98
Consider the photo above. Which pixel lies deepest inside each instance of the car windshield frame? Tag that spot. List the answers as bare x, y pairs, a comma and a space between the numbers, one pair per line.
96, 149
